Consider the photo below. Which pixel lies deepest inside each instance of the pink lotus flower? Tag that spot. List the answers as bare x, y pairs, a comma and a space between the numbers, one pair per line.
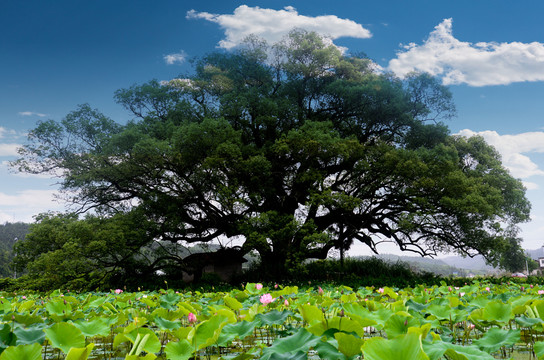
286, 303
24, 297
118, 291
540, 292
487, 288
319, 290
381, 290
191, 318
266, 299
275, 286
258, 286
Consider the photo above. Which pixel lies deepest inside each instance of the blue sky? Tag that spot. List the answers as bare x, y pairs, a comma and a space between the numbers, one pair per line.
55, 55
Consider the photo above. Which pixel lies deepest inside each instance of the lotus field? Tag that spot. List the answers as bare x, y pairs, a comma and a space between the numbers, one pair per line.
477, 321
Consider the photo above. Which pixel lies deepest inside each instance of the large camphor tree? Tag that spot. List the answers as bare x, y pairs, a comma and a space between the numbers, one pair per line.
293, 150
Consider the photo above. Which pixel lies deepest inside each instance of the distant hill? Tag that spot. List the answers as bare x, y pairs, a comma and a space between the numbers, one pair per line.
451, 265
476, 263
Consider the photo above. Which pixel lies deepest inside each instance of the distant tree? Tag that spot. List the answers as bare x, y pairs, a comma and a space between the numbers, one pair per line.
10, 233
62, 250
514, 258
294, 149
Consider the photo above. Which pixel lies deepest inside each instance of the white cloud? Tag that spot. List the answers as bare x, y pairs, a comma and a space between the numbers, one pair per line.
530, 185
479, 64
31, 113
9, 149
33, 198
273, 25
513, 149
4, 132
171, 59
23, 205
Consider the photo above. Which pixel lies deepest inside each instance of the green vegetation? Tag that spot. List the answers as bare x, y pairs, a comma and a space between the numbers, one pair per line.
475, 321
62, 251
292, 149
10, 233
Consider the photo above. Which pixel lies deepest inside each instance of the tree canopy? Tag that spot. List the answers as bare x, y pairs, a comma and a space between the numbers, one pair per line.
292, 149
63, 251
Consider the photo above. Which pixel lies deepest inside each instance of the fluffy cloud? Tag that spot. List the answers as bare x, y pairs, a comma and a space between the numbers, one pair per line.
272, 25
23, 205
479, 64
179, 58
8, 149
9, 134
31, 113
35, 198
513, 149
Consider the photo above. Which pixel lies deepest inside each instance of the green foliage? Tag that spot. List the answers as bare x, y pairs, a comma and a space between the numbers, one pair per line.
10, 233
421, 322
28, 352
296, 155
62, 251
404, 347
65, 336
355, 272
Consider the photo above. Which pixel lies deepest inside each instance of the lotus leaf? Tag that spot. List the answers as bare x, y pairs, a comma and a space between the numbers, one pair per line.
58, 307
311, 314
539, 349
29, 336
5, 305
348, 344
292, 346
497, 311
181, 350
207, 332
327, 350
273, 317
80, 353
232, 303
403, 347
167, 325
94, 327
232, 331
65, 336
495, 338
26, 352
438, 349
398, 324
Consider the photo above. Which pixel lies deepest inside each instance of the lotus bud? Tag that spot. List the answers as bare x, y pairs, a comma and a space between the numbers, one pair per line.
191, 318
